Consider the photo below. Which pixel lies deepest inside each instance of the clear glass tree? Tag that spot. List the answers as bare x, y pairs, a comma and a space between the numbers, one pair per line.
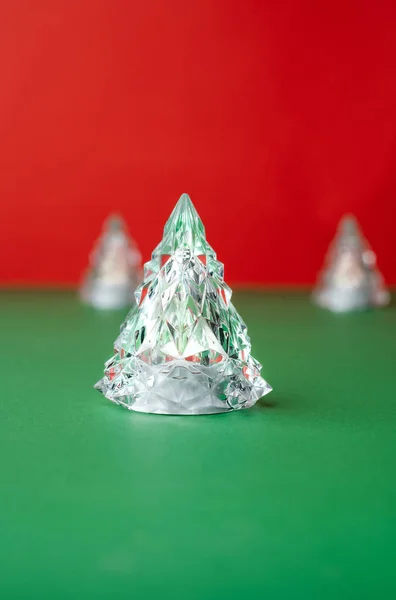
183, 348
350, 279
114, 271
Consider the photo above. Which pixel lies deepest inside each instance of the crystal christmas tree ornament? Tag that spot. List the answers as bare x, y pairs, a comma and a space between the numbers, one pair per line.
350, 280
114, 270
183, 348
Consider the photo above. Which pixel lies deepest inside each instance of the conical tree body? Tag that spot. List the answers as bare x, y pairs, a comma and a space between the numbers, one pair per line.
350, 280
183, 348
114, 270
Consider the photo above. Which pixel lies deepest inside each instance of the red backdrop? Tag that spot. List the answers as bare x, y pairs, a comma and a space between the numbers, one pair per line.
275, 116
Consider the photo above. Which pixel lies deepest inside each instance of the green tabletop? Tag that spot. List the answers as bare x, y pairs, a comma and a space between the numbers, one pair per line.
294, 498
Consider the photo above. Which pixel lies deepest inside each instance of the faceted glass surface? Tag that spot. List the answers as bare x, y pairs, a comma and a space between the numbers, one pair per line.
350, 280
183, 348
114, 268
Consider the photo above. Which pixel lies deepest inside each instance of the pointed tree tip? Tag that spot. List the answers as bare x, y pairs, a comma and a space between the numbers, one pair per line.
185, 204
114, 222
349, 223
184, 218
184, 198
348, 218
